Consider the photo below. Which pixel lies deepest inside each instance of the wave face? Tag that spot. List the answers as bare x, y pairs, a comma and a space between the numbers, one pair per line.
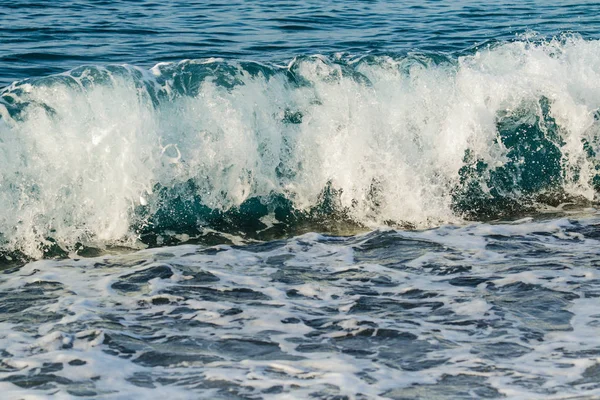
108, 155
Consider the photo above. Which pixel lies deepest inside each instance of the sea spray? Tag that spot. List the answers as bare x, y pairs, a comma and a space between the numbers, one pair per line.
103, 155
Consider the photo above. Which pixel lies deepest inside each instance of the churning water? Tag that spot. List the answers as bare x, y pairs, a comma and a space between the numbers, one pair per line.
280, 200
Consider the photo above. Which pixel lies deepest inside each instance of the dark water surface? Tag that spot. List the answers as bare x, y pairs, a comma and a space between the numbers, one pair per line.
504, 311
44, 37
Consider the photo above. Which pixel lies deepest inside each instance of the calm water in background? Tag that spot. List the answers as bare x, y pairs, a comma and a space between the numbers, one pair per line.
40, 38
411, 219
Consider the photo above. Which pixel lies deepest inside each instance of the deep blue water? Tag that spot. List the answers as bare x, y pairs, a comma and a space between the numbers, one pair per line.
321, 200
41, 37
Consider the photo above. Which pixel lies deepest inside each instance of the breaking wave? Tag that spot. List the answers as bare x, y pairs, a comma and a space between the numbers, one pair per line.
120, 155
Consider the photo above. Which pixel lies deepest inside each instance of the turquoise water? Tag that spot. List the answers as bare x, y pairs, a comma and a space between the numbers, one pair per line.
331, 200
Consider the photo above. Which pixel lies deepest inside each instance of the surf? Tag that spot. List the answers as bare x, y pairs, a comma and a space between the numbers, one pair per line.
119, 155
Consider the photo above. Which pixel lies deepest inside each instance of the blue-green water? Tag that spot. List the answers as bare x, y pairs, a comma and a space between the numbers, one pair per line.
39, 38
278, 199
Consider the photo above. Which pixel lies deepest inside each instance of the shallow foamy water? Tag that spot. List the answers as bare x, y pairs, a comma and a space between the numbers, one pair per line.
479, 311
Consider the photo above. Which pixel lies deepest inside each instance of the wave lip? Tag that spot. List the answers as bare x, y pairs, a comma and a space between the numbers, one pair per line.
105, 155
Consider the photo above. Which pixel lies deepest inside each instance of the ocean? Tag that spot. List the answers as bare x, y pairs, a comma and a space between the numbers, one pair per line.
299, 200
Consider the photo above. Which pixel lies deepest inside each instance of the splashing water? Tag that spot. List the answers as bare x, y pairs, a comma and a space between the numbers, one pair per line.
103, 155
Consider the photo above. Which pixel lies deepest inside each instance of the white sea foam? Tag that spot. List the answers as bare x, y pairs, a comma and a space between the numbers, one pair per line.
380, 315
87, 148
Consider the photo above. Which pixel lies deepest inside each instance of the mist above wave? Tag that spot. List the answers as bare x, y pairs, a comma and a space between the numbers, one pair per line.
103, 155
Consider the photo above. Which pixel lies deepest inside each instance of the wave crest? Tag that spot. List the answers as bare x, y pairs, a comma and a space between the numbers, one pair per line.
106, 155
